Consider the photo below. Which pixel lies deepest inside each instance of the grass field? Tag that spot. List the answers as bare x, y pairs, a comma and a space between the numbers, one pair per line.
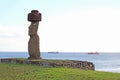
31, 72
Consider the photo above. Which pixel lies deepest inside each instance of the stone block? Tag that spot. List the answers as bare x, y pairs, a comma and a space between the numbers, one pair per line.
34, 16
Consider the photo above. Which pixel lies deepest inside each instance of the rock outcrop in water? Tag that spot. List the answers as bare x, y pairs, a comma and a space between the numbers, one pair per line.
33, 45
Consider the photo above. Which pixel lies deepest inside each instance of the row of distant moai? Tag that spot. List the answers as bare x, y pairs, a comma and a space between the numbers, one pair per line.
33, 44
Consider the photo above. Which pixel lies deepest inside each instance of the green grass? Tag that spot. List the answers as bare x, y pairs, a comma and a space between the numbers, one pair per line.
41, 60
32, 72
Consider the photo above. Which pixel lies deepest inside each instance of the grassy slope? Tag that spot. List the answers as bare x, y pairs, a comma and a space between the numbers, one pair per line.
32, 72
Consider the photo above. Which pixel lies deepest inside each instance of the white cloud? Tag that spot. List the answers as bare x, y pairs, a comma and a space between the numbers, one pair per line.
89, 30
13, 38
86, 30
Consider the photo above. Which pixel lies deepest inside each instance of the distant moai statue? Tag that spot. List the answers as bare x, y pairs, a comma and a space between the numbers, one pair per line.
33, 44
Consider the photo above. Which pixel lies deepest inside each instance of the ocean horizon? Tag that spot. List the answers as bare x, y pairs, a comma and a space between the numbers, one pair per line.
103, 61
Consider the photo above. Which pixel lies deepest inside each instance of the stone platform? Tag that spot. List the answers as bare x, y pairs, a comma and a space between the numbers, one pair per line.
52, 63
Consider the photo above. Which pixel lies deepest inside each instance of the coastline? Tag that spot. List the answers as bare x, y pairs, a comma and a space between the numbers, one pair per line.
10, 71
108, 62
85, 65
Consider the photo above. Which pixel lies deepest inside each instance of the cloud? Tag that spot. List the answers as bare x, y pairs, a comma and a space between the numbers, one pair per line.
95, 29
11, 31
13, 38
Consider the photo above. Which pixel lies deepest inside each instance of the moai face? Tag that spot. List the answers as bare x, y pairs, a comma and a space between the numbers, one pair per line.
34, 16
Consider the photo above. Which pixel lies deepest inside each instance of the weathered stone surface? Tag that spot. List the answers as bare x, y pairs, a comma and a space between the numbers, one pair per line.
33, 44
34, 16
85, 65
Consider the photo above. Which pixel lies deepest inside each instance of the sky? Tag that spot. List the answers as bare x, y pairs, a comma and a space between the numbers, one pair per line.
66, 26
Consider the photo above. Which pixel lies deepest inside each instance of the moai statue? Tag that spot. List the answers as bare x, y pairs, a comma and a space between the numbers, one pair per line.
33, 45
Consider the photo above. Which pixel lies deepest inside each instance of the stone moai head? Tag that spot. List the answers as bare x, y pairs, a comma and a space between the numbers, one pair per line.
34, 16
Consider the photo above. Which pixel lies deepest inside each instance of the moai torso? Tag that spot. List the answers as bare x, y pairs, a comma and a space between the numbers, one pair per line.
33, 45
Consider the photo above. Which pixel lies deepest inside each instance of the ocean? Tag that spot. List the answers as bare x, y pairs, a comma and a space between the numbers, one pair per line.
109, 62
